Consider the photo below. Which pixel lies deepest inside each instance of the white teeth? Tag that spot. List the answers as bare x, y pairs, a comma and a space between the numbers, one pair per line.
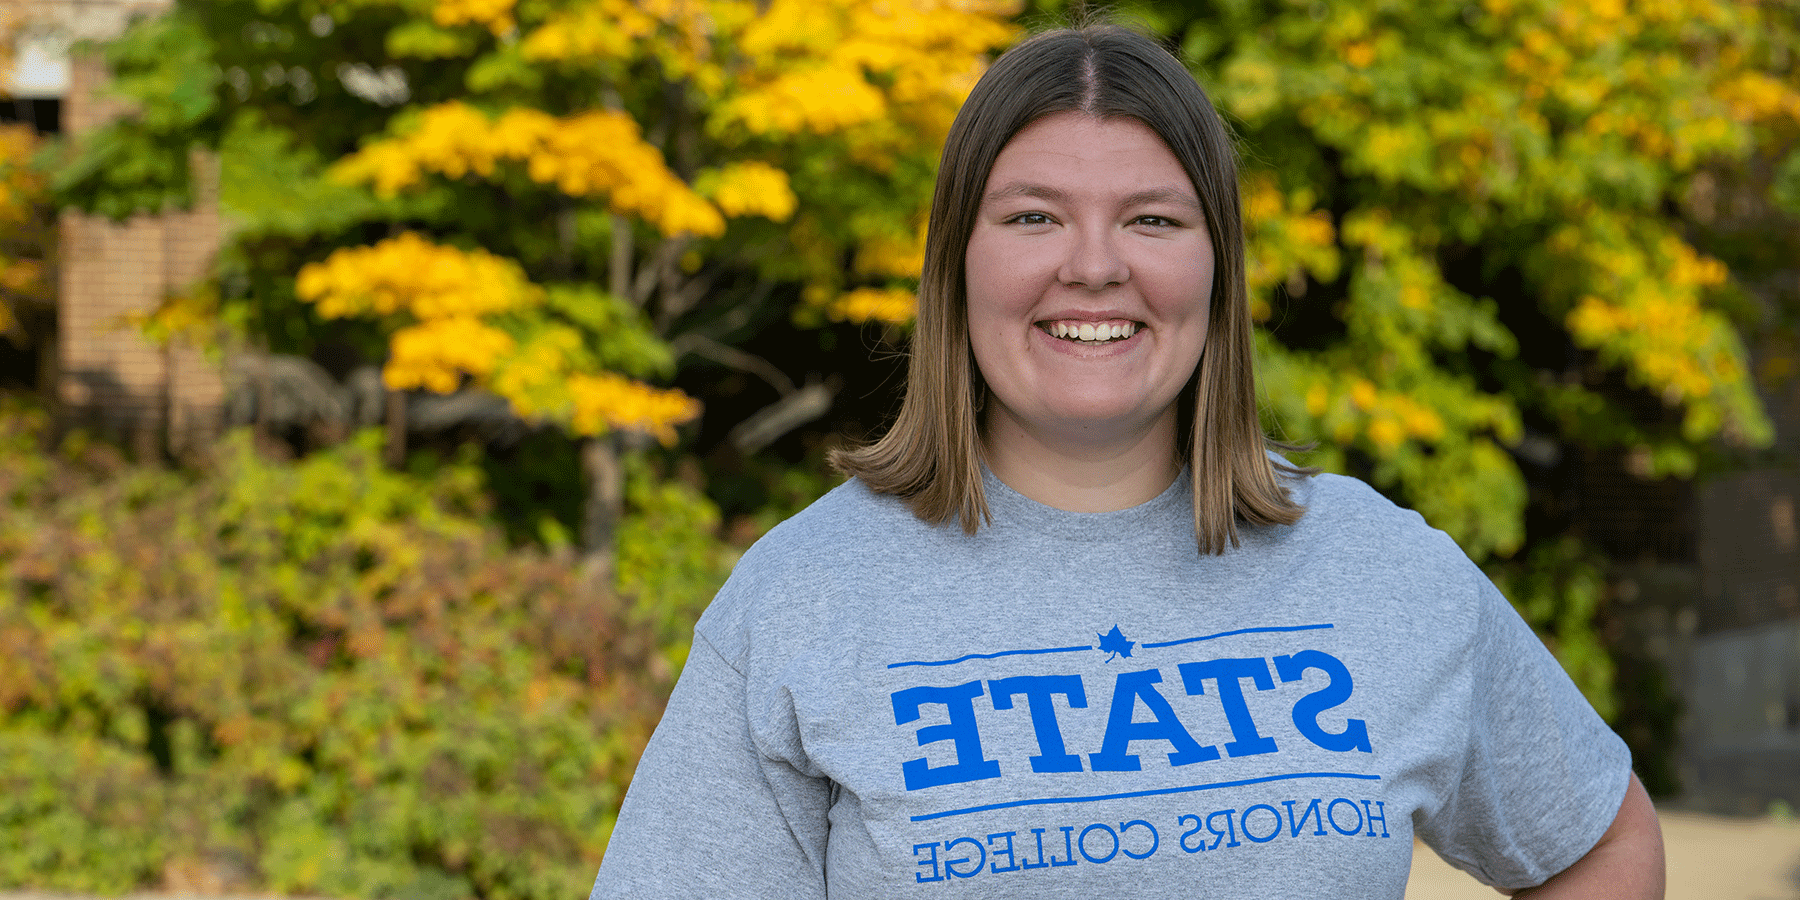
1089, 332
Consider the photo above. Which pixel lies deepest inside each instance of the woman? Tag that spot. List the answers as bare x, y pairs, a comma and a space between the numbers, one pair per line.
1071, 630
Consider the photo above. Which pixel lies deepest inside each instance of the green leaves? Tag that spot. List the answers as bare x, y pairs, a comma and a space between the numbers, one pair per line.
667, 561
1785, 189
165, 64
163, 68
1482, 239
619, 335
269, 187
422, 39
1489, 175
77, 814
340, 674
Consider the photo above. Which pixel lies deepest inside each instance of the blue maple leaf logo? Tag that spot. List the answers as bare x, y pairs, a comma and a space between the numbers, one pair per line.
1115, 644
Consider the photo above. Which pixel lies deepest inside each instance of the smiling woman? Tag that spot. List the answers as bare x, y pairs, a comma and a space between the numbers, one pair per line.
1074, 628
1090, 273
1084, 84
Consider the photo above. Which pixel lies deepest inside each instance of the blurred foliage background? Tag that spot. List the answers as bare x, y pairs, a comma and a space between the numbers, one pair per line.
677, 240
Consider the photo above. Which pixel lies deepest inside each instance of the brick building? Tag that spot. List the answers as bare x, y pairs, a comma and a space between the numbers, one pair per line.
105, 373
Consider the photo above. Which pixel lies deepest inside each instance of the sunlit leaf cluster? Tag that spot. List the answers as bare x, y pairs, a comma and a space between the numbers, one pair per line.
593, 153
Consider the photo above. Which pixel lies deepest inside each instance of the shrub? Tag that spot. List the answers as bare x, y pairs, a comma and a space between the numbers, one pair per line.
338, 674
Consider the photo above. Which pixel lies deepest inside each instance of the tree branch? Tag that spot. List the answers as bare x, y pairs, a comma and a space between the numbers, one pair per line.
701, 345
650, 277
784, 415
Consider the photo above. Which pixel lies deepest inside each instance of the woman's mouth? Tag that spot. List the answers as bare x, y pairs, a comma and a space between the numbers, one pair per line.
1090, 332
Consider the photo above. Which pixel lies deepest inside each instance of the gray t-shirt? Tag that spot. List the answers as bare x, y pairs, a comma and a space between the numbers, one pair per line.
1083, 705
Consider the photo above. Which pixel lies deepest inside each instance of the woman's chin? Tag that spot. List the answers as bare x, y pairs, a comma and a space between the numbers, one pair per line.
1090, 420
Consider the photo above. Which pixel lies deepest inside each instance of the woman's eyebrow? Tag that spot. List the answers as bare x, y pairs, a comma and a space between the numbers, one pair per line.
1025, 189
1176, 196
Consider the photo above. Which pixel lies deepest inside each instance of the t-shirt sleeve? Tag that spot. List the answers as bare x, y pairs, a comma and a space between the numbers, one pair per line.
1541, 776
708, 814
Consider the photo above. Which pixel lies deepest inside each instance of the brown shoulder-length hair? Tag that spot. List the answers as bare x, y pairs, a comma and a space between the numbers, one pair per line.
931, 456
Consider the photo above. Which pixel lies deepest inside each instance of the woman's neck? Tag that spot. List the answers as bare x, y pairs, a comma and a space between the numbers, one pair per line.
1082, 476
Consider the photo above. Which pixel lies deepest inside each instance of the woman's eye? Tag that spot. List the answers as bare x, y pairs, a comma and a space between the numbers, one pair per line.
1158, 221
1030, 219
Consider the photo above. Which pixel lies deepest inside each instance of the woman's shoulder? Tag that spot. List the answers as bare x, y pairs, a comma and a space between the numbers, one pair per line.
808, 565
1337, 501
1370, 559
842, 522
1346, 517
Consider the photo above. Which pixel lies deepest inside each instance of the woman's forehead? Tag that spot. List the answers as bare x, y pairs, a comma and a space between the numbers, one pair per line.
1066, 152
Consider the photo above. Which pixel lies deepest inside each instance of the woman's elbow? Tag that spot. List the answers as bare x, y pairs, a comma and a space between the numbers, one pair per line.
1626, 863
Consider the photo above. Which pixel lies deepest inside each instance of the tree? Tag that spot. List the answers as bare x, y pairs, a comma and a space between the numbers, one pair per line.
554, 200
1472, 255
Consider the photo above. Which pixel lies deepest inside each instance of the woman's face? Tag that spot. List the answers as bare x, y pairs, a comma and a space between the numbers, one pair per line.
1089, 275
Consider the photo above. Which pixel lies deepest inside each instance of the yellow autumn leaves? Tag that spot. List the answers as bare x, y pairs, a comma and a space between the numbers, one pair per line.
1352, 404
1558, 126
753, 188
1289, 238
408, 274
1651, 320
679, 34
445, 301
441, 292
925, 53
495, 15
880, 79
891, 305
1600, 59
605, 400
598, 153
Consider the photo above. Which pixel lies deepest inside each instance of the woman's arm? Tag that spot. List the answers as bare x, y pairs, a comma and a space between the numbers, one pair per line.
1627, 863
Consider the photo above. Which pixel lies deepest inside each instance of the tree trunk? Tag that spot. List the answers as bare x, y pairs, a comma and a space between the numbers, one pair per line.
603, 473
394, 448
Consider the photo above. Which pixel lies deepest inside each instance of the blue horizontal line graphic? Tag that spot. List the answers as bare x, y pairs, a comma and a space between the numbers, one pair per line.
1147, 646
1129, 794
946, 662
1208, 637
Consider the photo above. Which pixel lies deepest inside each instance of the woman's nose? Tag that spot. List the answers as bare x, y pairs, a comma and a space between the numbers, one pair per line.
1093, 260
